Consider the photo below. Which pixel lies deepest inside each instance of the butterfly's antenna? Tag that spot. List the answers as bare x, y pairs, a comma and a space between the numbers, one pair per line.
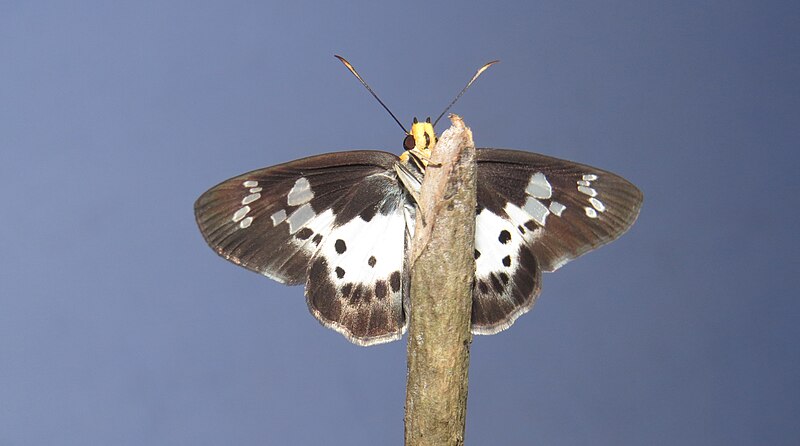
355, 73
480, 71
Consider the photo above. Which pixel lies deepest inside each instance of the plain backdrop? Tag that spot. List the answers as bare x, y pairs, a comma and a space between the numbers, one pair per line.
119, 326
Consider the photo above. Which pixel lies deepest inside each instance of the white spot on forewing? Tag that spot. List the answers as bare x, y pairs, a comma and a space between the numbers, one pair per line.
557, 208
587, 190
590, 212
584, 183
301, 192
250, 183
278, 217
239, 214
539, 187
589, 177
300, 217
597, 204
536, 210
246, 222
251, 198
255, 190
487, 230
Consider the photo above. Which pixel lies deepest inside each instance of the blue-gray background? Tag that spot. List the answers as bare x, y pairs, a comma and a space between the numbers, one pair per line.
119, 326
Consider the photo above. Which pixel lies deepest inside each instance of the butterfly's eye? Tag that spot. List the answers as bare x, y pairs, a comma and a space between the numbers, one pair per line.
409, 143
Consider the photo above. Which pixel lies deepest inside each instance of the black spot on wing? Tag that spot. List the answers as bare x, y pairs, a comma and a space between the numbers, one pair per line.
503, 278
346, 290
498, 287
507, 261
394, 280
340, 246
504, 237
372, 260
304, 233
368, 213
339, 272
317, 239
358, 293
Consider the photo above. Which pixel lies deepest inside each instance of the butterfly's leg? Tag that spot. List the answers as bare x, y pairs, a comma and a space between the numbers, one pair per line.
423, 158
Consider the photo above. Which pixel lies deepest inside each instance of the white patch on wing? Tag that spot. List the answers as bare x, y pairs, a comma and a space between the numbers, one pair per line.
251, 198
585, 187
301, 192
278, 217
539, 187
490, 231
300, 217
322, 223
364, 252
536, 210
597, 204
539, 192
557, 208
240, 213
519, 217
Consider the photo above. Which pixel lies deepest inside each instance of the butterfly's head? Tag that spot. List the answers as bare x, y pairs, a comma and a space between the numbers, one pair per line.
420, 140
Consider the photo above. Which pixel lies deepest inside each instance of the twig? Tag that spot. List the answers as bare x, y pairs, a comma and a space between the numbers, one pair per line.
442, 272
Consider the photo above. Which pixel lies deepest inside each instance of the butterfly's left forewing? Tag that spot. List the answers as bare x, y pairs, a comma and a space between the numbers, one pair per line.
334, 222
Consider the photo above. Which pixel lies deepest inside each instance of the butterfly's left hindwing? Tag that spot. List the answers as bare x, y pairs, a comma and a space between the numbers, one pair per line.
334, 222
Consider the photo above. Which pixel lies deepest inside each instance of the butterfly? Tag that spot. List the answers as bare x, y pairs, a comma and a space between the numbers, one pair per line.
341, 224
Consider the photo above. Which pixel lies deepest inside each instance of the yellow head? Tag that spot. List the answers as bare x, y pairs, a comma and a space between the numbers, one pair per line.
419, 141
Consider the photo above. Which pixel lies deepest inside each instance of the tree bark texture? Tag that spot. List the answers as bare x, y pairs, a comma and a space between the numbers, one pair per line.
442, 274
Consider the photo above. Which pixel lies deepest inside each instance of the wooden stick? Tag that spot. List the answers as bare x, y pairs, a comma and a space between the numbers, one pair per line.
442, 274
